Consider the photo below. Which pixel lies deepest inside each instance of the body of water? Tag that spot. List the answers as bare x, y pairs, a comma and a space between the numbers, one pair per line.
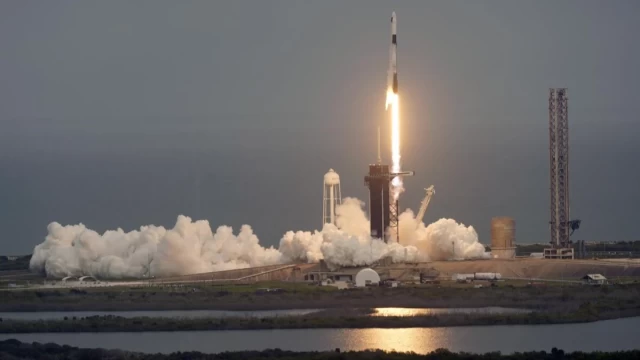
610, 335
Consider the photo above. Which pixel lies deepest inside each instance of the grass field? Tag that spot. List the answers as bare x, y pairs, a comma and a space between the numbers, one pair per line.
297, 295
344, 317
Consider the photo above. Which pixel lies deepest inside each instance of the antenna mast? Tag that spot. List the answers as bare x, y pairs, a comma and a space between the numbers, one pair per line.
379, 157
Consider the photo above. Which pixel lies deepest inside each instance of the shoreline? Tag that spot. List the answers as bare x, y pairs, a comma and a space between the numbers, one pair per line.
326, 320
13, 348
338, 308
35, 308
63, 301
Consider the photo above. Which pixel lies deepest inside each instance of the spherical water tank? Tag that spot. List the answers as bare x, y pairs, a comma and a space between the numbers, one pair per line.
331, 197
503, 233
366, 277
331, 178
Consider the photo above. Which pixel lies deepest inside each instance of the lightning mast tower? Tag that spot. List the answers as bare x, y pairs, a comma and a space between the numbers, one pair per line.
559, 175
331, 197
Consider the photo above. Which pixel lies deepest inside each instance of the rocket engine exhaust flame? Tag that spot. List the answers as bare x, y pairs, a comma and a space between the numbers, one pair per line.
393, 100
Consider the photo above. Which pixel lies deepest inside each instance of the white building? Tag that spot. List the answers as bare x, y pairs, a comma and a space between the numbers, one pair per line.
366, 277
594, 279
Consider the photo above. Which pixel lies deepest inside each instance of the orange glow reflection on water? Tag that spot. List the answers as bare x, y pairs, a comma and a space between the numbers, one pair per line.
419, 340
391, 311
404, 312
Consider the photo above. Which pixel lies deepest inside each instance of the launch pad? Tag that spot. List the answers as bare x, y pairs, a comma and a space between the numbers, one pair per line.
383, 208
378, 180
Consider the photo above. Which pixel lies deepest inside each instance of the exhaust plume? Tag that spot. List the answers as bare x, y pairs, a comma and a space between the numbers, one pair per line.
192, 247
393, 100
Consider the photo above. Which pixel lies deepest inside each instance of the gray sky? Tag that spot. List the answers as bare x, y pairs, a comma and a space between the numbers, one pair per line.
126, 113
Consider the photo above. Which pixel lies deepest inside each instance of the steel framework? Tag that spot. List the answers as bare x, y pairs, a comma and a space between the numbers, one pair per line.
383, 208
394, 205
559, 168
393, 215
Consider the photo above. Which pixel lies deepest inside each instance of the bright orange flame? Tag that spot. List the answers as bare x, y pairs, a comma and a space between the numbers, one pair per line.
394, 101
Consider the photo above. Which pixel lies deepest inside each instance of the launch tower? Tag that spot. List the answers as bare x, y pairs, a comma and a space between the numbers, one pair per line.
560, 225
378, 180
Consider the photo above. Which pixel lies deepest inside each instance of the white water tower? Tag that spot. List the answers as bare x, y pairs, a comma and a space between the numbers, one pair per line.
331, 197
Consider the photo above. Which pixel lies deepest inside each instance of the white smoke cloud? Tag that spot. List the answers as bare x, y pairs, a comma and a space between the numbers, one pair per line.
191, 247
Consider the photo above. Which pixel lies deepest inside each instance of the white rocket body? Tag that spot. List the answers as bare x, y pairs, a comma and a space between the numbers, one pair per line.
393, 65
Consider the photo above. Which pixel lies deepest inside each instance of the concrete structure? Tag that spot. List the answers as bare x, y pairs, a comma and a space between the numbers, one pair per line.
331, 197
503, 235
366, 277
558, 253
290, 272
320, 272
581, 249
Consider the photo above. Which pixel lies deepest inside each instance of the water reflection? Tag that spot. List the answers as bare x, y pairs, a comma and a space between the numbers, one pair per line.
416, 340
609, 335
430, 311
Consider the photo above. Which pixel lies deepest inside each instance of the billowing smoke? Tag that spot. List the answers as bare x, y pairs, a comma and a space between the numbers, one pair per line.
192, 247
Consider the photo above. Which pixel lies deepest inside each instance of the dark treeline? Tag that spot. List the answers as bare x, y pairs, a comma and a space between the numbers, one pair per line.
14, 349
21, 263
624, 246
109, 323
558, 298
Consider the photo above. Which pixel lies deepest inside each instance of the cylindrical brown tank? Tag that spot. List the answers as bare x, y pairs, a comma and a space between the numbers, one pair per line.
503, 233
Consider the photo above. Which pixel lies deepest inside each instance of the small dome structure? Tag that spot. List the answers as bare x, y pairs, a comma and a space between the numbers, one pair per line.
366, 277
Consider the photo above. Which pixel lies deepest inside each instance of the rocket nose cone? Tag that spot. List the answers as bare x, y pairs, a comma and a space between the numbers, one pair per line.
393, 16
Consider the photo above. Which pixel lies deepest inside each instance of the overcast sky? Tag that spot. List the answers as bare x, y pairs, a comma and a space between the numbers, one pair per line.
127, 113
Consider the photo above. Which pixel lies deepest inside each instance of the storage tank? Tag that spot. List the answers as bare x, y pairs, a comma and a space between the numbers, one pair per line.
503, 237
331, 197
487, 276
462, 277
